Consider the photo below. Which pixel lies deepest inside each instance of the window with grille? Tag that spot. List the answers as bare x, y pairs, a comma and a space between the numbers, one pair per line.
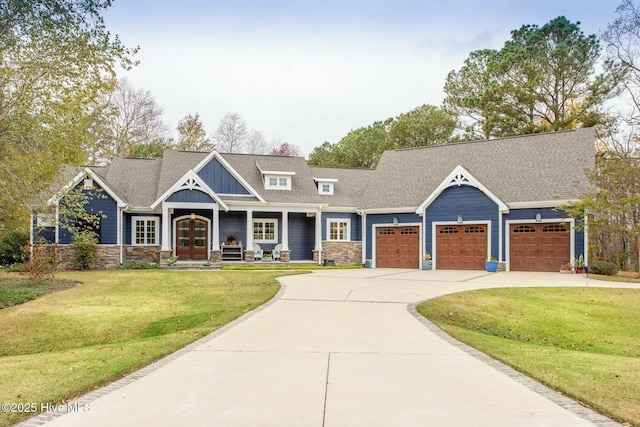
474, 229
339, 229
265, 230
554, 228
524, 229
383, 231
448, 230
408, 231
145, 230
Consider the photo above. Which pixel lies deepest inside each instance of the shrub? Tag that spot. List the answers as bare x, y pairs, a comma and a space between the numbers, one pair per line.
85, 250
11, 247
40, 262
140, 265
603, 267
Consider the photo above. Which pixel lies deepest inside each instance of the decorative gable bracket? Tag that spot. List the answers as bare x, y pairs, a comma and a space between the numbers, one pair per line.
190, 181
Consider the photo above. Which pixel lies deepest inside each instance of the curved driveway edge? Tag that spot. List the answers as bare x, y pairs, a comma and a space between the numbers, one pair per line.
339, 348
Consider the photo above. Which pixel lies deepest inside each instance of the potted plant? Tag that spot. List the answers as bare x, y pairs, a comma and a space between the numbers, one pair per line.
579, 263
172, 260
491, 265
566, 268
232, 239
426, 261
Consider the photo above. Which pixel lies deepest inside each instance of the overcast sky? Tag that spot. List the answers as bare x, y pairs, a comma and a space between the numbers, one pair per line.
310, 71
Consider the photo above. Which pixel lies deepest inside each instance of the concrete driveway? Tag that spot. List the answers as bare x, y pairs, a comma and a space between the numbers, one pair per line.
338, 348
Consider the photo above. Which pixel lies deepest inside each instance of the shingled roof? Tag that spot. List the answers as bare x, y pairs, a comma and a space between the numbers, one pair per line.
530, 168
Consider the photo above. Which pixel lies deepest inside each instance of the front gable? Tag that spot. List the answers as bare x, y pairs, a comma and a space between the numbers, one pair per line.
190, 188
220, 176
457, 178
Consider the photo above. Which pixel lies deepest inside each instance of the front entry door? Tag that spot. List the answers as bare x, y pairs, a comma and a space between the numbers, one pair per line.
191, 239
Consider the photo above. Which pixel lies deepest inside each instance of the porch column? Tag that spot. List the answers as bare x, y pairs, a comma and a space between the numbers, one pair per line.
318, 247
285, 230
249, 242
215, 235
166, 246
56, 239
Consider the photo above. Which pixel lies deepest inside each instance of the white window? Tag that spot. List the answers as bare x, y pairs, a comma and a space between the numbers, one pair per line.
88, 183
325, 188
274, 182
339, 229
144, 230
265, 230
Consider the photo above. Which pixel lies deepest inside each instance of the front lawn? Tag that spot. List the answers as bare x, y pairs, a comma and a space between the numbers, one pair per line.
584, 342
66, 343
16, 291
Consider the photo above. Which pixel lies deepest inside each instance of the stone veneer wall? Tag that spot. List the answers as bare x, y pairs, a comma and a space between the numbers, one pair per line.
142, 253
108, 256
344, 253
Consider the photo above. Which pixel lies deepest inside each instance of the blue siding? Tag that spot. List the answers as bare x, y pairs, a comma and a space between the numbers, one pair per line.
467, 201
220, 180
101, 203
546, 213
403, 218
301, 236
233, 223
356, 224
126, 227
190, 196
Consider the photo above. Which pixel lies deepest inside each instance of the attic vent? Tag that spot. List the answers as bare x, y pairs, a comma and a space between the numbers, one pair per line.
190, 184
459, 179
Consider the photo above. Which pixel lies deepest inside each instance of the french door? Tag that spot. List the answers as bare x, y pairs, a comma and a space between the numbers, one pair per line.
191, 239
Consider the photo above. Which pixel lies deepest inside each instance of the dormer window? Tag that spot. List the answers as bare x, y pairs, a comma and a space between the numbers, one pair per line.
325, 185
277, 180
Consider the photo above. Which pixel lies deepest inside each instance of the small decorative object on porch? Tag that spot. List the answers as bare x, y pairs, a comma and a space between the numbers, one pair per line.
232, 239
172, 260
491, 265
426, 261
579, 263
566, 268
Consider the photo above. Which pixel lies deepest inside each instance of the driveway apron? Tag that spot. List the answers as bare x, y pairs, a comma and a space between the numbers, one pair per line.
338, 348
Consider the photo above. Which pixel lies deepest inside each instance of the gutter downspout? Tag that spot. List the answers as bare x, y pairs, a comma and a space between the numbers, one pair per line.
319, 233
363, 227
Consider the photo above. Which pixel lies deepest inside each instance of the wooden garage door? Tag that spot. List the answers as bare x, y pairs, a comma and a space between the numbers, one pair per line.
461, 247
539, 247
398, 247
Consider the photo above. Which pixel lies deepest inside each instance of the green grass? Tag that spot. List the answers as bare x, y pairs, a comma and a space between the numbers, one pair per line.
584, 342
66, 343
15, 291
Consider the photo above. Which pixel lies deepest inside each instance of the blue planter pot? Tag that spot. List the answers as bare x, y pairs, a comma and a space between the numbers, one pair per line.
426, 264
491, 266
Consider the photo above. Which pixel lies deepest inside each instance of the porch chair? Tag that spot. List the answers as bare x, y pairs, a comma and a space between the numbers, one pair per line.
257, 251
276, 252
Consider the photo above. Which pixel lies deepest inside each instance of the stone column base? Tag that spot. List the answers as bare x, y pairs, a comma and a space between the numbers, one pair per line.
248, 256
216, 256
285, 256
316, 254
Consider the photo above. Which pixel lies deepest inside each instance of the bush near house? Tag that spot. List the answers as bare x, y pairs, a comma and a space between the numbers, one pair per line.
11, 245
606, 268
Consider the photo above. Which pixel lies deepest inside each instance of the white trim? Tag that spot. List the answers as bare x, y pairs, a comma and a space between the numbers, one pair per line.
215, 155
348, 232
158, 231
374, 240
279, 173
539, 204
278, 178
388, 210
174, 234
76, 180
434, 236
264, 220
572, 236
458, 177
330, 189
325, 179
190, 181
586, 240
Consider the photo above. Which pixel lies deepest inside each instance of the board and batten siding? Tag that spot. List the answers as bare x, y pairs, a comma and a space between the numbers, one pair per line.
190, 196
100, 203
467, 201
220, 180
301, 236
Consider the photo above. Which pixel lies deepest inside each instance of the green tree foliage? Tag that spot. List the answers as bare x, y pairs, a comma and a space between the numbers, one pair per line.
11, 247
56, 60
363, 147
543, 79
613, 209
425, 125
151, 150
